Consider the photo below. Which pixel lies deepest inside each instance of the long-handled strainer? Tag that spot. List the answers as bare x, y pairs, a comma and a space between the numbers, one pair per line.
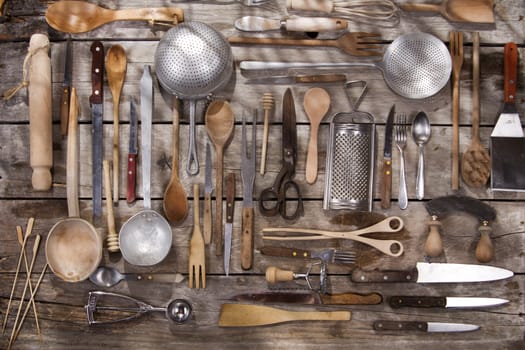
193, 60
415, 65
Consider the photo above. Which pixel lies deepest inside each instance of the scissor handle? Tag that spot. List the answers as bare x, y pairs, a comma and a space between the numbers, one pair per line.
269, 195
286, 187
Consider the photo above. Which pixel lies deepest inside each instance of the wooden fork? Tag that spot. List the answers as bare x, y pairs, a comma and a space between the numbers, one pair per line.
352, 43
456, 53
197, 259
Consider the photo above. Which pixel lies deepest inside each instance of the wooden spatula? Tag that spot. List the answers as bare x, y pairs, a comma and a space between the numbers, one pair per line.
473, 11
245, 315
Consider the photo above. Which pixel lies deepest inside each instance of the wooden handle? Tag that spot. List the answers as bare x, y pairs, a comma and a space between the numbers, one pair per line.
285, 252
267, 102
219, 232
97, 72
72, 157
196, 213
131, 193
352, 299
386, 183
510, 72
64, 109
362, 276
416, 301
315, 24
112, 238
244, 315
311, 155
275, 274
434, 244
421, 7
247, 238
310, 5
475, 86
280, 41
160, 14
485, 249
40, 114
382, 325
230, 197
207, 226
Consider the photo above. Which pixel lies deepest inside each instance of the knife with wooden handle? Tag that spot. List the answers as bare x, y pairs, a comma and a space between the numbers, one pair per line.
228, 226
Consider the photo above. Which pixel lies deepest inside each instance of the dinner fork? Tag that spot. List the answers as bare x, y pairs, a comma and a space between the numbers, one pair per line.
197, 258
456, 53
400, 133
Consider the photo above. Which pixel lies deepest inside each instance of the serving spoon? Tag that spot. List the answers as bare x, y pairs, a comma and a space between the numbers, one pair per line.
81, 17
106, 276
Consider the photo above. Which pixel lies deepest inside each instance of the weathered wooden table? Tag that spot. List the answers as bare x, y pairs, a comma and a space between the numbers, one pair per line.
61, 305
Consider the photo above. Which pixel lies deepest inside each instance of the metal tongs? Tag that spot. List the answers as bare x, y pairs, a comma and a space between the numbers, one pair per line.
178, 310
388, 225
275, 275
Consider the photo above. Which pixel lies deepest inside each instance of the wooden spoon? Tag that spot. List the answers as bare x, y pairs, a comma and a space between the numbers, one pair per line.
116, 64
475, 164
219, 125
475, 11
175, 202
316, 105
81, 17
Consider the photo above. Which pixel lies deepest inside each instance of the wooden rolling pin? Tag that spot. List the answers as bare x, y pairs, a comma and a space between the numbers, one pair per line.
40, 121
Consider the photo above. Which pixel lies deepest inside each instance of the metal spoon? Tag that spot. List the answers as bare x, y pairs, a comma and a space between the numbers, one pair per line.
106, 276
421, 135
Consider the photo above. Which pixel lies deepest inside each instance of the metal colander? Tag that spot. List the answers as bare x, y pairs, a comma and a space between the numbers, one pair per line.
193, 60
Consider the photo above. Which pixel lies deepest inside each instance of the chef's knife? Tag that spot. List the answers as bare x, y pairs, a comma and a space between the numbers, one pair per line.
97, 115
208, 189
132, 152
444, 302
311, 298
228, 227
299, 79
296, 24
435, 273
66, 88
429, 327
386, 177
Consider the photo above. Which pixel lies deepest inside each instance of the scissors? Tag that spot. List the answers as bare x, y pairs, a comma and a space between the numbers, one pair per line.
273, 200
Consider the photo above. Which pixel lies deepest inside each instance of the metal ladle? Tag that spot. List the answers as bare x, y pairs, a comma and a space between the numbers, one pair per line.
421, 135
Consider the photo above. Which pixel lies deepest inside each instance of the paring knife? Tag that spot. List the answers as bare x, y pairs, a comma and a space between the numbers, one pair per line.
208, 189
429, 327
386, 173
228, 226
435, 273
132, 152
97, 115
296, 24
311, 298
300, 79
398, 301
66, 88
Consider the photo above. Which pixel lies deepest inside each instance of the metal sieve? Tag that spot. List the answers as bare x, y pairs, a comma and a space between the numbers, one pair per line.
192, 60
415, 65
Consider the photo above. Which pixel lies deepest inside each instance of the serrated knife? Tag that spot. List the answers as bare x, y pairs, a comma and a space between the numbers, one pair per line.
296, 24
398, 301
435, 273
429, 327
208, 189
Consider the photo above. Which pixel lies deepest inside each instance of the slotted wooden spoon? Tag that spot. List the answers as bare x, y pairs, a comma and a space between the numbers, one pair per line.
81, 17
475, 11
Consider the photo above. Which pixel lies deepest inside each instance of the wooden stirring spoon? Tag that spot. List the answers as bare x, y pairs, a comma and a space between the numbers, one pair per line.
81, 17
219, 125
316, 105
475, 164
474, 11
175, 202
116, 65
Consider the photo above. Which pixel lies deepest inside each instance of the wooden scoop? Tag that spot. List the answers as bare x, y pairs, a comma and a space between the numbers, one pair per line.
475, 164
81, 17
475, 11
316, 105
243, 315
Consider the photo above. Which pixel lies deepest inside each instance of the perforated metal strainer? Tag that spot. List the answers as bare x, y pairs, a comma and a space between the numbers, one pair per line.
192, 61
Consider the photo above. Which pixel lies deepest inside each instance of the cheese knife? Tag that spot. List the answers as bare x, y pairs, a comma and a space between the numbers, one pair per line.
386, 173
97, 115
435, 273
311, 298
228, 226
208, 189
132, 152
66, 88
398, 301
429, 327
296, 24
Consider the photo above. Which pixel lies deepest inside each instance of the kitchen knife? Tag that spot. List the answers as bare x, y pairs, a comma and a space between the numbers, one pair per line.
444, 302
296, 24
132, 152
228, 226
429, 327
66, 88
97, 115
208, 189
311, 298
386, 177
299, 79
435, 273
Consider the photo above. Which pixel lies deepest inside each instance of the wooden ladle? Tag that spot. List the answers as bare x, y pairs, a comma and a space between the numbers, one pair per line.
175, 202
81, 17
219, 125
116, 65
316, 104
474, 11
475, 164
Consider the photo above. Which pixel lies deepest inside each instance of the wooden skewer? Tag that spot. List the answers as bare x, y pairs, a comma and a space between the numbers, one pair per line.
29, 229
267, 102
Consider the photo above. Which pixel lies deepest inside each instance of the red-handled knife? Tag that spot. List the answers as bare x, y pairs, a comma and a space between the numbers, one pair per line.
132, 153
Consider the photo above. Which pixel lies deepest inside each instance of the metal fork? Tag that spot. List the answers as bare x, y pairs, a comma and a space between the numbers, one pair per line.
400, 132
334, 256
456, 53
197, 258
